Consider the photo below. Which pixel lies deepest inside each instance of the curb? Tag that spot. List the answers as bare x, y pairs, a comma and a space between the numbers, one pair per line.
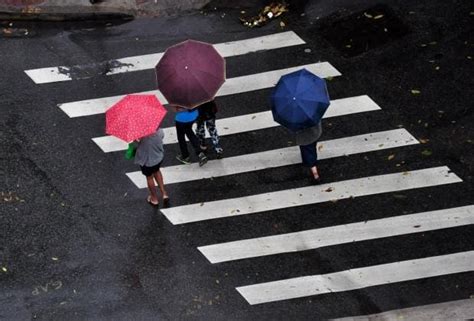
15, 16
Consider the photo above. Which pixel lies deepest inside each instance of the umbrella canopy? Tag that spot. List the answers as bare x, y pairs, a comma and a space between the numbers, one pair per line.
134, 116
190, 73
299, 100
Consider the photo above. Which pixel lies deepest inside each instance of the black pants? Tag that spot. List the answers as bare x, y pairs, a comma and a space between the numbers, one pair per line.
186, 130
309, 154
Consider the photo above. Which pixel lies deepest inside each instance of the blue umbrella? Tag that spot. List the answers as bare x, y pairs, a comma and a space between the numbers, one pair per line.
299, 100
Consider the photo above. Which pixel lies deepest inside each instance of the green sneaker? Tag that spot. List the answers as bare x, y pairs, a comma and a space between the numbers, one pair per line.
183, 160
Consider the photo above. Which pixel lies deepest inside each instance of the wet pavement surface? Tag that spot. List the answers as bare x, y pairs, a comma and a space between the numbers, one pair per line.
79, 242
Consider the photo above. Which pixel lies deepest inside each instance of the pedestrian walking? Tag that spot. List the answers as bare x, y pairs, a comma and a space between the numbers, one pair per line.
184, 121
307, 139
149, 155
207, 119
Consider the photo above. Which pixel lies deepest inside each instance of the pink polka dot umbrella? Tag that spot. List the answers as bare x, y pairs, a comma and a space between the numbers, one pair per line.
134, 116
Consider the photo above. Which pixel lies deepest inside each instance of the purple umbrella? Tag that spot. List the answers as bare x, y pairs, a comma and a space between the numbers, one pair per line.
190, 73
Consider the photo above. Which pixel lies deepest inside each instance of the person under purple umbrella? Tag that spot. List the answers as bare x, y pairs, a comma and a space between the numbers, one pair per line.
207, 118
184, 120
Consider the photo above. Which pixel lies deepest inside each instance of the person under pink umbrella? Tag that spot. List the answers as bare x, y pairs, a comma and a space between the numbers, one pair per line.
137, 118
149, 156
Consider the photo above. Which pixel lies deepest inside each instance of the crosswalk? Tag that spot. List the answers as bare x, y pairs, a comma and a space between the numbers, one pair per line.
391, 225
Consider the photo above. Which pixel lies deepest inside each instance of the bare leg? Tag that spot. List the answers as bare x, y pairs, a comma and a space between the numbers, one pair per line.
314, 171
159, 179
153, 198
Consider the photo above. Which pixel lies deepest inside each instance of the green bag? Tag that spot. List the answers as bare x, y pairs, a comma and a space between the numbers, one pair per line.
131, 151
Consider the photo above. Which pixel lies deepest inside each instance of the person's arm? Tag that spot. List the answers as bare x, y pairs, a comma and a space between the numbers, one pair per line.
178, 108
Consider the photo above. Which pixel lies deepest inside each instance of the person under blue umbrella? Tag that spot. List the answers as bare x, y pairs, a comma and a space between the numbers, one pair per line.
299, 101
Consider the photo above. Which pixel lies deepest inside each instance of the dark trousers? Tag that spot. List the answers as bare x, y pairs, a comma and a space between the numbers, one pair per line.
309, 154
186, 130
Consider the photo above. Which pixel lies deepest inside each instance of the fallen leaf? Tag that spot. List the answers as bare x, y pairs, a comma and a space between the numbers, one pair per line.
329, 189
4, 269
378, 16
54, 258
253, 117
217, 281
390, 157
320, 147
426, 152
282, 24
415, 91
368, 15
416, 226
348, 46
202, 204
424, 141
399, 196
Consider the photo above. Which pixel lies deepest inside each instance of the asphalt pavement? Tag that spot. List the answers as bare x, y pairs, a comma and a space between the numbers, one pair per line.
79, 242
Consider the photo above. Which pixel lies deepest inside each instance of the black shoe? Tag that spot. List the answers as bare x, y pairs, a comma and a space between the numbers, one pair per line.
166, 202
315, 181
202, 159
220, 155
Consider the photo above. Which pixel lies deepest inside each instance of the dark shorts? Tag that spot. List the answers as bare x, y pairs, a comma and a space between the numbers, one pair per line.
149, 171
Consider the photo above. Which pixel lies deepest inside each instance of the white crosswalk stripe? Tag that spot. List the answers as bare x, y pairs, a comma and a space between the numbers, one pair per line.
143, 62
280, 157
358, 278
310, 195
340, 234
232, 86
250, 122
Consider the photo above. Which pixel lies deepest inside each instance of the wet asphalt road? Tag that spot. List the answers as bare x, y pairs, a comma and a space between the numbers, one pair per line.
78, 241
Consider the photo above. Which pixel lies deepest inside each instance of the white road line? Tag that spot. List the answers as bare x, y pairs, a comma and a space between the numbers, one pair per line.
251, 122
280, 157
358, 278
253, 204
340, 234
232, 86
461, 310
143, 62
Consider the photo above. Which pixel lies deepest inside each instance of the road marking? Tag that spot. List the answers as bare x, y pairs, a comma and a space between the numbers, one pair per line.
358, 278
232, 86
250, 122
253, 204
280, 157
143, 62
340, 234
452, 310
